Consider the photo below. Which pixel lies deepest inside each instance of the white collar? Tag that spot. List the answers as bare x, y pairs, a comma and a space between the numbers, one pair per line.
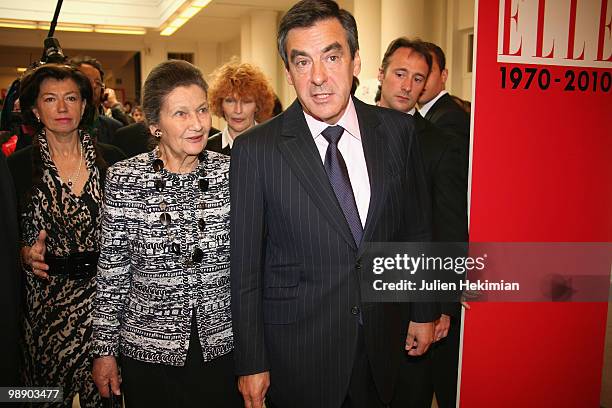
425, 108
226, 138
348, 121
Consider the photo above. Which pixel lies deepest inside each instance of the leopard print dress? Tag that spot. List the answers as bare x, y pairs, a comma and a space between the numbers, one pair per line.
58, 315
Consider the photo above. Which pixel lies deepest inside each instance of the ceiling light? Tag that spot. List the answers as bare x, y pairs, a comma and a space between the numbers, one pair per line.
190, 12
173, 26
168, 31
200, 3
120, 30
179, 21
18, 24
81, 28
182, 17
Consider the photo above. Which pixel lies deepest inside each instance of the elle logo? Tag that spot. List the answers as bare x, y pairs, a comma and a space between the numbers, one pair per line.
556, 32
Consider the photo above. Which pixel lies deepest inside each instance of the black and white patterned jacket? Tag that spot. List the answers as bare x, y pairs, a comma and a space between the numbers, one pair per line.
146, 293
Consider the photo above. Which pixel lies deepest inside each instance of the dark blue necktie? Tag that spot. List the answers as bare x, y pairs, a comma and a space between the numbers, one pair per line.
340, 182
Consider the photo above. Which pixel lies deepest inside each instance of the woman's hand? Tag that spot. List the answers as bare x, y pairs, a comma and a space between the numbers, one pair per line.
34, 256
105, 372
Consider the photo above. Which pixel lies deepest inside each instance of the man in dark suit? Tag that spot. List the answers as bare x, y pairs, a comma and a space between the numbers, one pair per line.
437, 106
308, 189
133, 139
10, 281
402, 75
435, 103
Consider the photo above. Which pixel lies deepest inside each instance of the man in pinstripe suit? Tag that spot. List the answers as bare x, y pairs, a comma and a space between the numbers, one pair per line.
308, 189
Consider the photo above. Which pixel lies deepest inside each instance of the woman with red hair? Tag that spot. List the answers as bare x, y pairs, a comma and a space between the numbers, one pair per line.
240, 94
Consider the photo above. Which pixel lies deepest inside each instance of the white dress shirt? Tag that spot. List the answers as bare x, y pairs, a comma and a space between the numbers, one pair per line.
352, 151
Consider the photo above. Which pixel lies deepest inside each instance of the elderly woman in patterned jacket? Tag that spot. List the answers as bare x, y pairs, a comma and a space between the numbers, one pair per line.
162, 307
58, 180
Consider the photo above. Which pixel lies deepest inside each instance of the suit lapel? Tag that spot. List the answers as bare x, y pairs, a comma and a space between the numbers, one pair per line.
298, 147
436, 106
374, 151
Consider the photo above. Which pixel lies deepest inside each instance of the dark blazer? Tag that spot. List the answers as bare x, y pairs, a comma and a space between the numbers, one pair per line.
446, 166
215, 144
133, 139
445, 157
295, 268
105, 128
450, 117
120, 115
11, 284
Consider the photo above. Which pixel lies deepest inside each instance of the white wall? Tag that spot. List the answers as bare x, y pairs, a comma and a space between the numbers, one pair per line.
229, 50
125, 75
460, 23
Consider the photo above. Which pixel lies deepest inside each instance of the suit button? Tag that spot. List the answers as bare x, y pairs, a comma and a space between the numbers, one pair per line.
355, 310
358, 265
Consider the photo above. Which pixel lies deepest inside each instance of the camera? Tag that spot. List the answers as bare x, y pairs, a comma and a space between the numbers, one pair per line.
52, 52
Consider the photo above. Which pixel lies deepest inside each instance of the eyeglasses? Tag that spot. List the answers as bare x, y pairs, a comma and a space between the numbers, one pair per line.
166, 219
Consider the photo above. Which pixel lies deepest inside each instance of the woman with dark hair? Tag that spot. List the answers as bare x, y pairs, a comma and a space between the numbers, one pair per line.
240, 94
163, 300
58, 180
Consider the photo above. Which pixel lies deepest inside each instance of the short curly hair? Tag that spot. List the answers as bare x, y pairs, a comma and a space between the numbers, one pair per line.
241, 80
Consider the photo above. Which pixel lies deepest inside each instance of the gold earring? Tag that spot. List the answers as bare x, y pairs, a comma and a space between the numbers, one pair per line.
158, 133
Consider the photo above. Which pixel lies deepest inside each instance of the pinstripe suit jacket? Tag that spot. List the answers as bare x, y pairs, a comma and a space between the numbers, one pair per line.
295, 268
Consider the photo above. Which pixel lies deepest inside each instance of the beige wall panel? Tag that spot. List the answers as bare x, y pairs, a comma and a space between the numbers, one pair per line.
367, 15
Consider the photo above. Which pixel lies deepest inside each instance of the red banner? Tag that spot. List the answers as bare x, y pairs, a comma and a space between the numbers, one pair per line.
541, 172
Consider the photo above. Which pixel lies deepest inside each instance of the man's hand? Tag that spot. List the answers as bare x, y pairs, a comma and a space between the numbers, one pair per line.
441, 327
253, 388
104, 373
110, 100
34, 256
419, 338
